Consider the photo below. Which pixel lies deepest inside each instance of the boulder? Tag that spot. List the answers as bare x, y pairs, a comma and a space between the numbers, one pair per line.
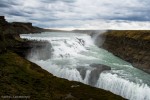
82, 72
98, 69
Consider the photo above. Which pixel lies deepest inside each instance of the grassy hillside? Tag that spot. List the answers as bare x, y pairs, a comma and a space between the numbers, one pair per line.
133, 34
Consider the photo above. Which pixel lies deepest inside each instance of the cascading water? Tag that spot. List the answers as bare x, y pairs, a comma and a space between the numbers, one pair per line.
72, 55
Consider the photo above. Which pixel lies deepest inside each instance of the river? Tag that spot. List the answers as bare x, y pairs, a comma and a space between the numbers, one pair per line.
73, 51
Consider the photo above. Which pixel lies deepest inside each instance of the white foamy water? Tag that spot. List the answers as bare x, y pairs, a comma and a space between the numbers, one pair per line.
71, 58
125, 88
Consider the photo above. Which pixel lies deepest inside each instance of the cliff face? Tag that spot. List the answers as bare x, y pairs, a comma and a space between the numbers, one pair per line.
15, 28
9, 33
2, 20
132, 46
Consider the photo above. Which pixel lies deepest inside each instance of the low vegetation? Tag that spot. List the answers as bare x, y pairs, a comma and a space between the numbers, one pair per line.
134, 34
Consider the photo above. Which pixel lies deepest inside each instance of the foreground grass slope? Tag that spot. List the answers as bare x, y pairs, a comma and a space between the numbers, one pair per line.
19, 77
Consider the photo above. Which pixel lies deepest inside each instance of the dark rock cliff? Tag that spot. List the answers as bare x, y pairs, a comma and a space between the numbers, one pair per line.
94, 75
9, 33
132, 46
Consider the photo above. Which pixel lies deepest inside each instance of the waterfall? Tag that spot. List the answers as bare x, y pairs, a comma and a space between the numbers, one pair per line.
72, 57
125, 88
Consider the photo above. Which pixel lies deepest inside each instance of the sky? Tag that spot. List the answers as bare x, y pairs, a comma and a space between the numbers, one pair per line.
80, 14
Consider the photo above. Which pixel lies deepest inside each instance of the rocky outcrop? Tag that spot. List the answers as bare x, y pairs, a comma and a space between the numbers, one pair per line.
132, 46
25, 28
9, 33
42, 49
97, 69
94, 75
21, 23
2, 20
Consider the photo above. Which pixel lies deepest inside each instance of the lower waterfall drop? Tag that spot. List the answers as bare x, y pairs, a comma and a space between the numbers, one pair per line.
125, 88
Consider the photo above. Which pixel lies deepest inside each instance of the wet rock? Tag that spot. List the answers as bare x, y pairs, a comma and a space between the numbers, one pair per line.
41, 50
81, 41
94, 75
98, 69
82, 72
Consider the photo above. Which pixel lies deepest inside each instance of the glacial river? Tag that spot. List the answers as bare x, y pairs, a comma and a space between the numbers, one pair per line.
73, 51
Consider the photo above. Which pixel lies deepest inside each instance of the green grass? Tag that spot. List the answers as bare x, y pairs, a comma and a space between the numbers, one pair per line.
134, 34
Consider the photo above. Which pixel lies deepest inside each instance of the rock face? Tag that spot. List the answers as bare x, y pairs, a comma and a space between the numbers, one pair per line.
82, 72
95, 73
3, 23
98, 68
2, 20
41, 50
9, 33
21, 23
132, 46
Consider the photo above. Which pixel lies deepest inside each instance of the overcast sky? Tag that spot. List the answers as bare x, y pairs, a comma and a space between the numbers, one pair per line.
91, 14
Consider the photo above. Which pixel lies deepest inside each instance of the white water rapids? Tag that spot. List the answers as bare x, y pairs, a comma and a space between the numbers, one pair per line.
74, 51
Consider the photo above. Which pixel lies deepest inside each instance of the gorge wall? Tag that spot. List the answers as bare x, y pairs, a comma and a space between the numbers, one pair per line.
132, 46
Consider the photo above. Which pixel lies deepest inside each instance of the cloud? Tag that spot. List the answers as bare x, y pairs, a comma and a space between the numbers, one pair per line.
79, 13
102, 24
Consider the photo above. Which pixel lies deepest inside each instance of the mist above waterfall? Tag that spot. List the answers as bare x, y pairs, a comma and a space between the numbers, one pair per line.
75, 57
41, 50
97, 37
